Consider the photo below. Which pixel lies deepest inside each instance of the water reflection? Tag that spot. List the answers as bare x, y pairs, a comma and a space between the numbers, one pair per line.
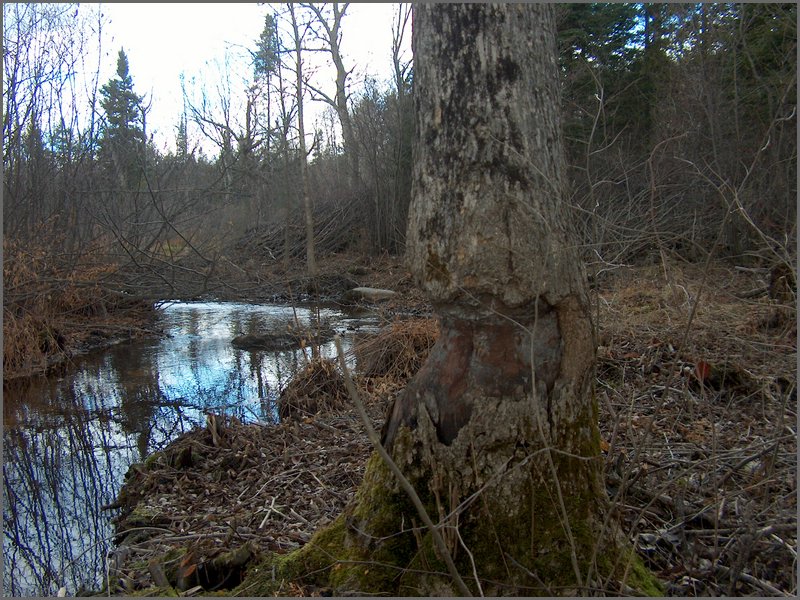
68, 441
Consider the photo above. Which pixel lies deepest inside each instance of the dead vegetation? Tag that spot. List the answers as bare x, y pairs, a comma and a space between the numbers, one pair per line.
333, 232
698, 419
318, 387
234, 486
55, 306
399, 350
698, 414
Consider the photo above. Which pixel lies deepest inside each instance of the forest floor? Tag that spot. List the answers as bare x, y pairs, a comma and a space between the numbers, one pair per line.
696, 385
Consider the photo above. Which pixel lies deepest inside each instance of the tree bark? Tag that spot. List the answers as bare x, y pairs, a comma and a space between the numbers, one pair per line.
498, 431
488, 236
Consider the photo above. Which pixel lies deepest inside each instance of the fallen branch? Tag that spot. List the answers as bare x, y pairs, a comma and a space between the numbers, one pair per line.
754, 581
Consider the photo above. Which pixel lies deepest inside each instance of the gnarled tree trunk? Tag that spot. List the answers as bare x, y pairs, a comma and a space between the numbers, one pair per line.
498, 431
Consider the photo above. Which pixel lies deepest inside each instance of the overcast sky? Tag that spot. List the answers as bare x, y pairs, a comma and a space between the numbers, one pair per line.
164, 40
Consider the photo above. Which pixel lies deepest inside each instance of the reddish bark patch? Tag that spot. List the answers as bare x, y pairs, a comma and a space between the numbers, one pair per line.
475, 360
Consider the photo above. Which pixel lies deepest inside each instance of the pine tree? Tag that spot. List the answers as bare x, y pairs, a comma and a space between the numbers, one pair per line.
122, 142
265, 57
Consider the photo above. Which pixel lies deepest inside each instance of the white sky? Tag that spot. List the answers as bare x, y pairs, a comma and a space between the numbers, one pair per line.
164, 40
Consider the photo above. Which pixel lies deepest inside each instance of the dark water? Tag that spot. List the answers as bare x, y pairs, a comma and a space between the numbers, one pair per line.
68, 441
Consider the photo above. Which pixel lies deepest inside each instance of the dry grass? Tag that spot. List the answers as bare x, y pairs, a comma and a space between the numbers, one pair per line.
52, 305
399, 350
318, 387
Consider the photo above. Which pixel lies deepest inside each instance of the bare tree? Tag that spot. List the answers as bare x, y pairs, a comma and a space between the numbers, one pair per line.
311, 261
286, 115
331, 35
47, 134
403, 122
215, 117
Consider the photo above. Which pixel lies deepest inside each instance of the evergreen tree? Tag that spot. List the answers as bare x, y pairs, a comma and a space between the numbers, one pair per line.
600, 47
265, 57
122, 142
182, 138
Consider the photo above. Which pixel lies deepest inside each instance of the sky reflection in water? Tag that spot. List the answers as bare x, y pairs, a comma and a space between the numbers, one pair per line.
68, 441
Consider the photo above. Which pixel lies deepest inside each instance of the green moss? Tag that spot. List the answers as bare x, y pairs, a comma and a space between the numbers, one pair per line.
312, 563
261, 579
170, 561
135, 525
381, 504
308, 564
152, 459
155, 592
516, 540
372, 554
511, 560
337, 556
641, 579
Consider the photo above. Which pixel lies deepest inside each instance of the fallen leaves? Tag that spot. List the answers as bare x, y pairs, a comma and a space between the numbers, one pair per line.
273, 485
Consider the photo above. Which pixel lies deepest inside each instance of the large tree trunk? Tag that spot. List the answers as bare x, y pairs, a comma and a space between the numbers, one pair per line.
488, 236
498, 431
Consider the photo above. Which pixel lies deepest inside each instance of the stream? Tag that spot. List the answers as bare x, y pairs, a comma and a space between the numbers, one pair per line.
68, 440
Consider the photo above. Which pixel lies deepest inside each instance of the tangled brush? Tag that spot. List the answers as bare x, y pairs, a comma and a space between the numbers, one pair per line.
399, 350
318, 387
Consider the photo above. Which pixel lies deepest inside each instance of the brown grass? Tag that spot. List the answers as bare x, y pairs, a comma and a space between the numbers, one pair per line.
52, 303
318, 387
399, 350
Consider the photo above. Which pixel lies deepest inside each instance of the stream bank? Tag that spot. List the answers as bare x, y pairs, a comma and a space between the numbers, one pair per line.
698, 441
45, 336
70, 439
194, 517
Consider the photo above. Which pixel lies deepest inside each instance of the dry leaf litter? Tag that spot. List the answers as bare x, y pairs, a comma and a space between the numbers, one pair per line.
698, 420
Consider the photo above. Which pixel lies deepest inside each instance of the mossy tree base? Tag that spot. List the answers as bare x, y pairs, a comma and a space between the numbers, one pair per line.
398, 558
498, 434
510, 471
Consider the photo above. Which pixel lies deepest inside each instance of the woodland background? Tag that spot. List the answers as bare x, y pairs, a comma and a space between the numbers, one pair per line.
679, 120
